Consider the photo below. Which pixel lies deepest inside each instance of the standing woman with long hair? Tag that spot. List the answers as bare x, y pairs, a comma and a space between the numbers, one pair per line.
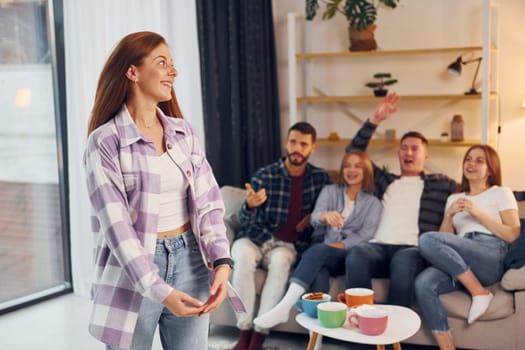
157, 211
468, 252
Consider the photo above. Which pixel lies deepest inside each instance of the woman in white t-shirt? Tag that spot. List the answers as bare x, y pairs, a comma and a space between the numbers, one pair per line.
479, 223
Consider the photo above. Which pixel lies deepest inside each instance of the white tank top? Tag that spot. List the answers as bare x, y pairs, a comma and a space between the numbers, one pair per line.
173, 211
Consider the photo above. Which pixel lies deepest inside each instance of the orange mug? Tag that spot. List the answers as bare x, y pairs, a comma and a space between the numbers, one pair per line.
353, 297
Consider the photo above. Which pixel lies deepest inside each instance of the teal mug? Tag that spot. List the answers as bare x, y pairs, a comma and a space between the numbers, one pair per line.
309, 301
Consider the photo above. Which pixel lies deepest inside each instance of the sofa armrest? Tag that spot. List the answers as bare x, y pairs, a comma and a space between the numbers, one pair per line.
233, 198
231, 229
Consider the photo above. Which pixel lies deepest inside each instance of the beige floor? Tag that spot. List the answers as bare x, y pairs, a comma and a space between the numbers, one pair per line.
61, 324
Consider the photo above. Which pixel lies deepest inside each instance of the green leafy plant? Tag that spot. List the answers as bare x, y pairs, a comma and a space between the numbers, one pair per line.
384, 79
359, 13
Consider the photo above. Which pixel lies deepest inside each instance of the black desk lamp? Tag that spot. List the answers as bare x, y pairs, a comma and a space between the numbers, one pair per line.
455, 69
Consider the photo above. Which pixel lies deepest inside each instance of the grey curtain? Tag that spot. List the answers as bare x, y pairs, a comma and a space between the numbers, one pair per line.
239, 87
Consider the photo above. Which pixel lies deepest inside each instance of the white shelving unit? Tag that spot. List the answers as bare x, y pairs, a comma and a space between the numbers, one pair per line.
304, 63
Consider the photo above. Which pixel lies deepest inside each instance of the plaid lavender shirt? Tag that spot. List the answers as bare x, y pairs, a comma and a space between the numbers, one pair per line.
123, 180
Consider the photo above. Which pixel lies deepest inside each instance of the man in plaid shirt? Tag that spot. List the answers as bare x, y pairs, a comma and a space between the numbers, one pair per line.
275, 225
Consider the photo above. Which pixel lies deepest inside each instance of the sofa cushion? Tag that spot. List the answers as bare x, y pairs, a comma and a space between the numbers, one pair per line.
515, 257
514, 279
233, 198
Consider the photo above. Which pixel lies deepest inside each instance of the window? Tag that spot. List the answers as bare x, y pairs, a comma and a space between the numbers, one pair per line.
34, 248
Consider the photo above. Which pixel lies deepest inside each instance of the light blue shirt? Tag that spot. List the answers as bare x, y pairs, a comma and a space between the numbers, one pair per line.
359, 226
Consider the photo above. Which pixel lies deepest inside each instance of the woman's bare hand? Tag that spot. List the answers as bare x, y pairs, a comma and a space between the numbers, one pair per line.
182, 304
218, 289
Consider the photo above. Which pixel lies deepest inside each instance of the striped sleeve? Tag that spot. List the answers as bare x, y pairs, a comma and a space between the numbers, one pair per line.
112, 218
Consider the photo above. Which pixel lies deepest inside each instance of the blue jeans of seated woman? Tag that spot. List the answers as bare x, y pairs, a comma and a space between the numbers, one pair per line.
450, 256
317, 264
181, 266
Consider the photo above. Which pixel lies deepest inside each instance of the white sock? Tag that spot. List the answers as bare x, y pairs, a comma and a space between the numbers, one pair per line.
480, 304
280, 312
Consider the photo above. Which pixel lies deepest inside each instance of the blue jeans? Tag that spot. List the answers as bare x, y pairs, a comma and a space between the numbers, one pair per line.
401, 263
181, 266
317, 264
450, 256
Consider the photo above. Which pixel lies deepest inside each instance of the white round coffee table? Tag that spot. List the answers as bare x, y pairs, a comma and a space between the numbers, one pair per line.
402, 324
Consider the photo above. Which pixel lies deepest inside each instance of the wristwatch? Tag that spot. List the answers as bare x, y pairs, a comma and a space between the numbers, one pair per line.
223, 261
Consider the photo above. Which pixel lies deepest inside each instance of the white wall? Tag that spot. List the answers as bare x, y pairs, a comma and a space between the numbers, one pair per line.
512, 90
415, 24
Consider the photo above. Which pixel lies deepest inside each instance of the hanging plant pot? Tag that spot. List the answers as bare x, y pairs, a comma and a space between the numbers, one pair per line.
363, 40
380, 92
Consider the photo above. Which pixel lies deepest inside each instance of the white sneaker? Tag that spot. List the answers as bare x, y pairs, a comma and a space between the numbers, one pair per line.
480, 304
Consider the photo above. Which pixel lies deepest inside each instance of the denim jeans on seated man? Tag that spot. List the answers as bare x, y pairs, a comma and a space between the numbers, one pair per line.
318, 263
400, 263
413, 203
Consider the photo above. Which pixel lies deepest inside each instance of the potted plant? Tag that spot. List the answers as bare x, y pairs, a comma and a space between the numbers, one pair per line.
360, 14
384, 79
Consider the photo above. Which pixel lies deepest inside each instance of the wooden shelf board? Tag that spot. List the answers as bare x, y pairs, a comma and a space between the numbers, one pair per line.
370, 98
395, 143
308, 55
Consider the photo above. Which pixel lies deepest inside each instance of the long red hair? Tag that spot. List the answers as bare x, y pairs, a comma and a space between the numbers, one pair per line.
113, 85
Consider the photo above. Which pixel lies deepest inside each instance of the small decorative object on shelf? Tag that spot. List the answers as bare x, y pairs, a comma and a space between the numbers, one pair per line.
333, 136
379, 86
390, 134
360, 14
443, 137
457, 128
